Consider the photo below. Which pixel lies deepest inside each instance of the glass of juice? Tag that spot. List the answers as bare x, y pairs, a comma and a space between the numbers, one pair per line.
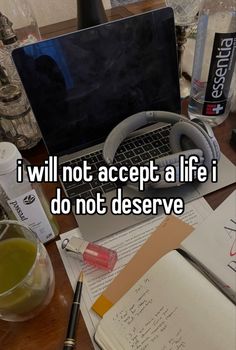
26, 275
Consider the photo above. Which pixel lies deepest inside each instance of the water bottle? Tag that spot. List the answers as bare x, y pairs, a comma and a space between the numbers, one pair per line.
213, 83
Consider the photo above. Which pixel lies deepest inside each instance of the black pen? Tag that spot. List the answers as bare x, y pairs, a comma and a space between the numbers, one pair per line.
69, 343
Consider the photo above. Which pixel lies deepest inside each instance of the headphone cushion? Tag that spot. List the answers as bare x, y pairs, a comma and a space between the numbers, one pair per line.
173, 159
200, 140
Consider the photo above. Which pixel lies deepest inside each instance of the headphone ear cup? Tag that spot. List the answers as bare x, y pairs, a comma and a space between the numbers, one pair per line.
173, 159
196, 137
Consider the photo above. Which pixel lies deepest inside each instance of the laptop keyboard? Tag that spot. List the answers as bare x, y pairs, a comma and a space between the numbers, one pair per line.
133, 151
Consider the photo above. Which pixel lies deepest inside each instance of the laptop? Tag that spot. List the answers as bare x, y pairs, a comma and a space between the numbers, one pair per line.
82, 84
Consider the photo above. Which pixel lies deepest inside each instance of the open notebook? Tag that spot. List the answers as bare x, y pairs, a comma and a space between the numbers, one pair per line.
211, 247
171, 307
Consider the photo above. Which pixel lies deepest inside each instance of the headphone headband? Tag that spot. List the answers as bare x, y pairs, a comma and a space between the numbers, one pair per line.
132, 123
186, 137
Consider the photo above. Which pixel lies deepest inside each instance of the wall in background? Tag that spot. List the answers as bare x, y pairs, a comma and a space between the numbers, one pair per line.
49, 11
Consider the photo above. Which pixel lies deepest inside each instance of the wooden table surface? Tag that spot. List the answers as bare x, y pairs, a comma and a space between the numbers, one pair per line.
47, 331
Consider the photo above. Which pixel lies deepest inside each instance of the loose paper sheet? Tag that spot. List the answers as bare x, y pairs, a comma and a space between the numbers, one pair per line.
213, 244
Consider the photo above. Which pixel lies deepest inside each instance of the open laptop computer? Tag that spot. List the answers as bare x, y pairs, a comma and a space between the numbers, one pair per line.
82, 84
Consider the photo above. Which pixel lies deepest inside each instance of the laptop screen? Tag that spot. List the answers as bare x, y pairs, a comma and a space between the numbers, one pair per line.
82, 84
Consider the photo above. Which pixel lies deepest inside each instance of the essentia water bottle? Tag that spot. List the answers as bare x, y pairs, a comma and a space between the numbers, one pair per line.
214, 62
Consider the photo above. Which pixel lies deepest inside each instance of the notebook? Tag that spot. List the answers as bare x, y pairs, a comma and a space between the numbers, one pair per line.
166, 236
211, 247
173, 306
82, 84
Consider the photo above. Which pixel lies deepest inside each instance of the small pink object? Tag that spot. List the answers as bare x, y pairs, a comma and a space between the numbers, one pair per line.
91, 253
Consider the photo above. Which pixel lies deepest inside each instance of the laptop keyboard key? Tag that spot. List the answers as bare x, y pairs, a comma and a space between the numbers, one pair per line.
93, 168
148, 147
136, 160
95, 183
129, 146
139, 150
92, 160
121, 149
139, 142
148, 138
129, 154
79, 189
166, 132
69, 185
165, 140
155, 152
127, 162
119, 157
157, 143
97, 190
108, 187
145, 156
164, 149
100, 157
86, 195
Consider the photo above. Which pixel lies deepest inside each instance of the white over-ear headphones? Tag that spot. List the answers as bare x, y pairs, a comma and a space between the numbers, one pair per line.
199, 136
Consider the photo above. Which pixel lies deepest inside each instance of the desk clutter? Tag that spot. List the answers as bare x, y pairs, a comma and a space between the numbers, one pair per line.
108, 97
162, 295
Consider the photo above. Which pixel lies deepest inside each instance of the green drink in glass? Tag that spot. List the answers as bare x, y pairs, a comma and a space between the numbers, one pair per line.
26, 274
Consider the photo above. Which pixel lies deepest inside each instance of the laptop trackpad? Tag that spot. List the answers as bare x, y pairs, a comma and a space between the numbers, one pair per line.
95, 227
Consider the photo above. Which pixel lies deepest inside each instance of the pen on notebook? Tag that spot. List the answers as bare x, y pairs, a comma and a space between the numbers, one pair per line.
69, 342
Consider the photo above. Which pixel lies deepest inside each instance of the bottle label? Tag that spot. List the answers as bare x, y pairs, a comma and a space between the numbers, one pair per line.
220, 74
28, 208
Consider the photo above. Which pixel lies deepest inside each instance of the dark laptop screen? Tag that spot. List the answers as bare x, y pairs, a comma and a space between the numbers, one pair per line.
82, 84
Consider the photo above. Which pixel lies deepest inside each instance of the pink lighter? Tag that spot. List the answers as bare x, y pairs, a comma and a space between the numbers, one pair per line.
91, 253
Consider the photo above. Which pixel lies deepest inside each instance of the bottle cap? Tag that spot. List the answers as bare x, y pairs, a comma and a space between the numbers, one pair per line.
8, 157
7, 33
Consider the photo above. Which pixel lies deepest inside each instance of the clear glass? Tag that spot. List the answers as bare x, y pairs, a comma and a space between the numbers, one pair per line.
20, 13
185, 10
17, 120
3, 214
27, 284
2, 136
18, 27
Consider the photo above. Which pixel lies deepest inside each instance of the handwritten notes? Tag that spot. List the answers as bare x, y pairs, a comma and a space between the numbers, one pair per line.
142, 335
172, 307
176, 342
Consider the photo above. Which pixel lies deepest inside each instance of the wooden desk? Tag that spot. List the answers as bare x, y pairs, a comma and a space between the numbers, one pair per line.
48, 330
